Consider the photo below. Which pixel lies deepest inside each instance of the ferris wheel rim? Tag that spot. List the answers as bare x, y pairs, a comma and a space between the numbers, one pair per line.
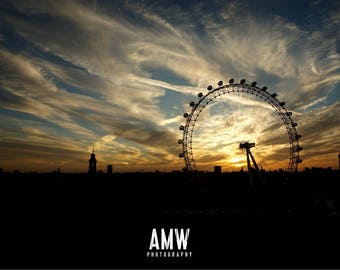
242, 87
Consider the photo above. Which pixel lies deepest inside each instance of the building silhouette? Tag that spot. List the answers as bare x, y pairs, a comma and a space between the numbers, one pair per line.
109, 169
93, 163
217, 169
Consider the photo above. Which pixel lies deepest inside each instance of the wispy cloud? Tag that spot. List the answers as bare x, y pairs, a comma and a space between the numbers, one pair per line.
83, 74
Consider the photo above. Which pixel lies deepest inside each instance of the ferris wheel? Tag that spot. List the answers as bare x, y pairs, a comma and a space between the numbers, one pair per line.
240, 90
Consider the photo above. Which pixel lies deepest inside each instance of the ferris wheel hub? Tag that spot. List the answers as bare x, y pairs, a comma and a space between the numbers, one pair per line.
247, 145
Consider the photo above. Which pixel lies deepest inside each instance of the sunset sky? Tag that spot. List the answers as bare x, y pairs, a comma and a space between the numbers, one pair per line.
118, 75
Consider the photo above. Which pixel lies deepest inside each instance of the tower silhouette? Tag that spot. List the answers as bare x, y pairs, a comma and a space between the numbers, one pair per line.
109, 169
217, 169
93, 163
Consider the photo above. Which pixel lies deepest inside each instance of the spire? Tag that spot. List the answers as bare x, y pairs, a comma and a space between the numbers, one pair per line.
92, 162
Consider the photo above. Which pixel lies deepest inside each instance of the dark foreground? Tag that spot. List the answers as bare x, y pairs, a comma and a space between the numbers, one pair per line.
81, 221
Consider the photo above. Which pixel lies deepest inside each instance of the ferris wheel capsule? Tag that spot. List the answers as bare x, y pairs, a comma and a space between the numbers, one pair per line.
209, 87
282, 103
220, 83
200, 95
231, 81
181, 155
264, 88
253, 84
180, 141
242, 81
185, 115
273, 95
181, 128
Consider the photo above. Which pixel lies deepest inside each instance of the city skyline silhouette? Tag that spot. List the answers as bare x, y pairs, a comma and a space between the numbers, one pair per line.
105, 220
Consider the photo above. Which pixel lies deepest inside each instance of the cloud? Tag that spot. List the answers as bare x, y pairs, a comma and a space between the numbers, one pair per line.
324, 142
92, 74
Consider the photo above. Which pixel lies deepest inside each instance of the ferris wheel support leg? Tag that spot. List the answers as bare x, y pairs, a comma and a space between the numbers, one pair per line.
257, 169
250, 174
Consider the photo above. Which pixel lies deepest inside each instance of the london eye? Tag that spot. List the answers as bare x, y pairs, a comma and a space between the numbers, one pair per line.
261, 97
